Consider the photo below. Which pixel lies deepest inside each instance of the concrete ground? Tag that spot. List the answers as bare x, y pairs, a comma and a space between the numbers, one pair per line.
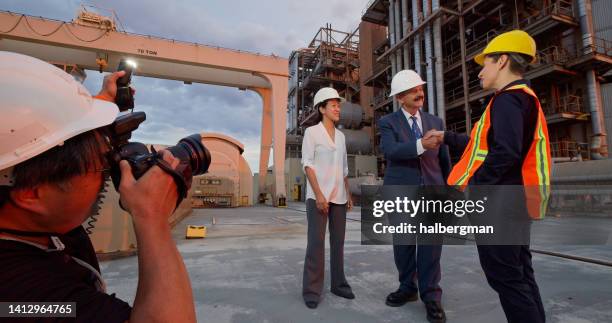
249, 269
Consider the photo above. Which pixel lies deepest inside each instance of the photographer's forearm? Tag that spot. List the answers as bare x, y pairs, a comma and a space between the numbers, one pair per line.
164, 293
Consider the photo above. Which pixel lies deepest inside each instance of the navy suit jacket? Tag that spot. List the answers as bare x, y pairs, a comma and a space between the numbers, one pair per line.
404, 165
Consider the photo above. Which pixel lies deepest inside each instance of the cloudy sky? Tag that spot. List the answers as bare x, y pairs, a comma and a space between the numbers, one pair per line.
175, 110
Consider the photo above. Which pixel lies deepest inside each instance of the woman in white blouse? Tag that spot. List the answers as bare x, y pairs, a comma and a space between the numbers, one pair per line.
327, 198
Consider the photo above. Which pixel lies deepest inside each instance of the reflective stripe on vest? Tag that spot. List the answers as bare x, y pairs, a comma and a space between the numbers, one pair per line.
536, 166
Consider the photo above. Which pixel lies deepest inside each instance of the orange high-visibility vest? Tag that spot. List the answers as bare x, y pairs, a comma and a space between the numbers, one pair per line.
536, 166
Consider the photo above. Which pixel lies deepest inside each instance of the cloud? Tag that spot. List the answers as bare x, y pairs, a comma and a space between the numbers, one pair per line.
175, 110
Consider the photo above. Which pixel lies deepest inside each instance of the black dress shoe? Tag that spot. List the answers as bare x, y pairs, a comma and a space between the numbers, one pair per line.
346, 293
399, 298
435, 312
311, 304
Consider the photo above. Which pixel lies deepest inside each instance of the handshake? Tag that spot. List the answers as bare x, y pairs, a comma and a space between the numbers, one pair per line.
432, 139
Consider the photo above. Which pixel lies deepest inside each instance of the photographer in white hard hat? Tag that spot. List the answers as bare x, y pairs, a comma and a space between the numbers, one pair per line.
52, 169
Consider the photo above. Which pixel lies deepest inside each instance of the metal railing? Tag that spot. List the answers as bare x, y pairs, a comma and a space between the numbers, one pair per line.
566, 104
453, 94
558, 8
473, 46
458, 127
378, 67
457, 92
382, 96
569, 149
598, 46
480, 42
474, 85
552, 55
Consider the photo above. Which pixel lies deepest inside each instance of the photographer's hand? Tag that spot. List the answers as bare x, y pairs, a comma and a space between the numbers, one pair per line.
164, 292
153, 196
109, 87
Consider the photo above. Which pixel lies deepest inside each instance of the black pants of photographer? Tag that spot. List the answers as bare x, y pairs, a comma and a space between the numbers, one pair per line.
314, 264
510, 273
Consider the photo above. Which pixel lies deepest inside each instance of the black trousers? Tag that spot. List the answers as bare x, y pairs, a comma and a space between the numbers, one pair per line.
314, 263
419, 264
509, 272
417, 257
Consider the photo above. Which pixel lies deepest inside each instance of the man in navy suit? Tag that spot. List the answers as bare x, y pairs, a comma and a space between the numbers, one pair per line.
418, 160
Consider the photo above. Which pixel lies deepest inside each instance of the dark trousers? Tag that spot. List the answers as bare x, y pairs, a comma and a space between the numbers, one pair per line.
314, 263
510, 273
417, 257
419, 263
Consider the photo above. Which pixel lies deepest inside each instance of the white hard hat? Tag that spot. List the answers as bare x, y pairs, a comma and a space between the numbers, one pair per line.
41, 107
326, 93
405, 80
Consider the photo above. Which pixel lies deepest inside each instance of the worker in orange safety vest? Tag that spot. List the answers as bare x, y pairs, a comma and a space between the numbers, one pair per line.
509, 145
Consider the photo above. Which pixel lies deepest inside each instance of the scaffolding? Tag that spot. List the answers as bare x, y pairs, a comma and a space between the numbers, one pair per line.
331, 59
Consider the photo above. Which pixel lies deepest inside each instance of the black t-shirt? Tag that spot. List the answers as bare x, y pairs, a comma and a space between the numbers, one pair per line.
31, 274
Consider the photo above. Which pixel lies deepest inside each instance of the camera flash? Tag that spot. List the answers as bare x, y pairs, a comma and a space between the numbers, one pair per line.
132, 63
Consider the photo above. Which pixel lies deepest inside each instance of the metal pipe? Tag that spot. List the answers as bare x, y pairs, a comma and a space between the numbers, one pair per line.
599, 149
439, 66
398, 34
586, 23
392, 42
572, 257
431, 97
594, 102
392, 32
405, 22
598, 141
417, 29
417, 38
466, 103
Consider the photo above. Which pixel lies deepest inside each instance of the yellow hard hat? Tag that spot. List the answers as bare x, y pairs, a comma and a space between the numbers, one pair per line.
515, 41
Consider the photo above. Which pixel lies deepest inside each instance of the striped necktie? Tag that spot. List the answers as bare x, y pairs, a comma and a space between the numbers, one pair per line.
415, 128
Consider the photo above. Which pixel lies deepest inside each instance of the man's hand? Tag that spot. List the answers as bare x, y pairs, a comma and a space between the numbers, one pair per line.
432, 139
435, 133
153, 196
349, 204
109, 86
322, 204
162, 275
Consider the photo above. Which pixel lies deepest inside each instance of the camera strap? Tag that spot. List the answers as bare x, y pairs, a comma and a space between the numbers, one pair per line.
181, 185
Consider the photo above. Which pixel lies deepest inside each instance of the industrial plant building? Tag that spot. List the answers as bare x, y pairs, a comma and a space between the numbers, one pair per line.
439, 40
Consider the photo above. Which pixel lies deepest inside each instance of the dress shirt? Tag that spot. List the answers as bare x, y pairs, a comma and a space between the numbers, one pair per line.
419, 144
328, 160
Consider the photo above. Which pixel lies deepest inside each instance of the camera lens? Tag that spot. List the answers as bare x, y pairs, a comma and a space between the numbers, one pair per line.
190, 149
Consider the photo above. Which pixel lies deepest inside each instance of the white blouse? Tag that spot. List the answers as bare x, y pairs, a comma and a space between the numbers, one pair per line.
328, 160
